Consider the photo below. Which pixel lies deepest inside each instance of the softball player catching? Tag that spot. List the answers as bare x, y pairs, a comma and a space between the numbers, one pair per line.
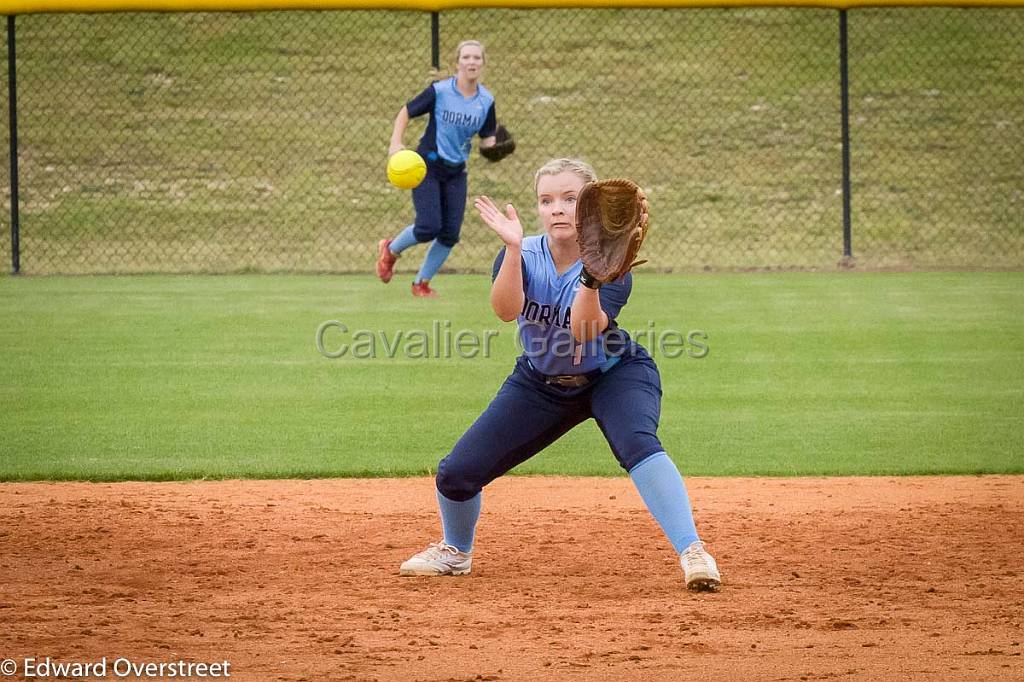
576, 364
459, 107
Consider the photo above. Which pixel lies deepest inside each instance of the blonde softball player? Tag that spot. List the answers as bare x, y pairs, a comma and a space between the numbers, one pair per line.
459, 108
576, 365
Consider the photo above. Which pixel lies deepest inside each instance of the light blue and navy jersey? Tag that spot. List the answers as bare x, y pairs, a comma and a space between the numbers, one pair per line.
544, 322
454, 120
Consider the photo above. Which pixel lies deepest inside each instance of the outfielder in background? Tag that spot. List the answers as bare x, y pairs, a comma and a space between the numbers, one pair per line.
459, 107
576, 364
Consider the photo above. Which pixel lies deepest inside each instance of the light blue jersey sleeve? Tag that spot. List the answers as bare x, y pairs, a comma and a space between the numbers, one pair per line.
497, 266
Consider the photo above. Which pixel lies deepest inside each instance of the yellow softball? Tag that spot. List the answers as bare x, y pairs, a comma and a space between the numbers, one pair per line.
406, 169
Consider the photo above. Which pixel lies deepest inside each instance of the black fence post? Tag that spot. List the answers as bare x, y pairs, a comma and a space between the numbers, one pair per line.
12, 94
435, 40
844, 88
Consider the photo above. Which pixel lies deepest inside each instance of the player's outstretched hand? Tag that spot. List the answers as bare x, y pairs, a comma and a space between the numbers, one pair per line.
505, 225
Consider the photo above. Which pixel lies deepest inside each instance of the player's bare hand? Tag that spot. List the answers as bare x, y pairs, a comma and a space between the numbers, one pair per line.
395, 148
506, 225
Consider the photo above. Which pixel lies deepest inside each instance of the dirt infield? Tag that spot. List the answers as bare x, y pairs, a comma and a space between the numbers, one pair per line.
847, 578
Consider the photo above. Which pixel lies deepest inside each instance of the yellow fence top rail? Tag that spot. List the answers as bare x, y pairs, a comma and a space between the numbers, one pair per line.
35, 6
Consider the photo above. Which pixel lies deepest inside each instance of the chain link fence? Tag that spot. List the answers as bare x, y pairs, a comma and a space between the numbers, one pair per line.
228, 142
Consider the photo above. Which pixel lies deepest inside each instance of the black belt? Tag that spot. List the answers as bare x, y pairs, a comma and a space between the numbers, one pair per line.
567, 380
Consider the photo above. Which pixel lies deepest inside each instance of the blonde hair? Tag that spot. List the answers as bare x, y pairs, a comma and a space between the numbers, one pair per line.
579, 167
470, 43
444, 72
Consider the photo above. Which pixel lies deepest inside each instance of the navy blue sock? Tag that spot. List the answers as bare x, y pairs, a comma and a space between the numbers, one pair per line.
458, 519
664, 493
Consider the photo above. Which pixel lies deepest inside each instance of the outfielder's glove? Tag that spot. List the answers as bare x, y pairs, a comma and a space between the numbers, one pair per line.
504, 144
611, 223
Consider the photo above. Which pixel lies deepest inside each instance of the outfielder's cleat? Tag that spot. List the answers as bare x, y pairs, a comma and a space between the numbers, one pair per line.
385, 260
438, 559
700, 569
423, 289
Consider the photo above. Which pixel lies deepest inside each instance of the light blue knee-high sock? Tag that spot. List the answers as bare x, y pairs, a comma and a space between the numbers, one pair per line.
664, 493
458, 519
436, 256
403, 241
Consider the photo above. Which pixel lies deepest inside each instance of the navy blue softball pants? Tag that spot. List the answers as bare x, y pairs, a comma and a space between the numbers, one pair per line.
440, 202
527, 415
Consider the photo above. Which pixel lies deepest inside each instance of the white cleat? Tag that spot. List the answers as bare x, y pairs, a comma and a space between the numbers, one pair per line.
700, 569
438, 559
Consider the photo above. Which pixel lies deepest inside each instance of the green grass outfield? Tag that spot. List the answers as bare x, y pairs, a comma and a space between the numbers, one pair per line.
167, 377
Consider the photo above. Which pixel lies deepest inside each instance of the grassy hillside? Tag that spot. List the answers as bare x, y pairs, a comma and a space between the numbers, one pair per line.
228, 142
